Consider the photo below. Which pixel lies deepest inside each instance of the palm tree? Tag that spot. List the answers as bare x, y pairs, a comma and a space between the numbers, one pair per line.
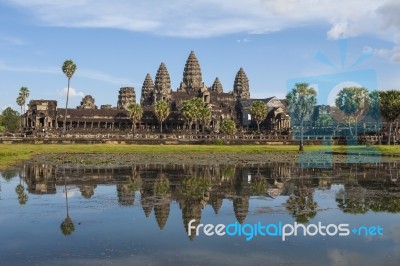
161, 111
258, 112
20, 102
389, 102
24, 94
301, 102
228, 127
191, 111
135, 112
353, 102
204, 117
69, 69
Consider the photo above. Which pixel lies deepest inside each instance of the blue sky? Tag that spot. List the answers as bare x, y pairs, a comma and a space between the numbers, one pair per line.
115, 43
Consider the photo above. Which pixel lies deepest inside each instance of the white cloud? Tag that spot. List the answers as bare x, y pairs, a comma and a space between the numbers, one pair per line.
205, 18
393, 55
200, 18
72, 93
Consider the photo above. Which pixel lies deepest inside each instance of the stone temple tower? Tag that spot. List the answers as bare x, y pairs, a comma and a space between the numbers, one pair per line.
241, 85
192, 80
147, 91
126, 96
217, 86
162, 85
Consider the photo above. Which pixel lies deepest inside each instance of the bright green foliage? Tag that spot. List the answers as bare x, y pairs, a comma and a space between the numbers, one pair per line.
301, 102
161, 110
228, 127
135, 113
353, 102
390, 107
204, 117
390, 104
324, 120
9, 119
69, 68
258, 111
194, 110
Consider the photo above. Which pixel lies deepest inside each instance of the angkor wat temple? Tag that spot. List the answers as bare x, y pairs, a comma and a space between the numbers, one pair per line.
235, 105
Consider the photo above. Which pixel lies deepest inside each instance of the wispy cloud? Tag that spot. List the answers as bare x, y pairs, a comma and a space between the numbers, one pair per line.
11, 40
72, 93
215, 17
205, 18
84, 73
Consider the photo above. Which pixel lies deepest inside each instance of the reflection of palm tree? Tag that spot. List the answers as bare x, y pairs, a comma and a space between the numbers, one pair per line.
301, 204
67, 226
20, 190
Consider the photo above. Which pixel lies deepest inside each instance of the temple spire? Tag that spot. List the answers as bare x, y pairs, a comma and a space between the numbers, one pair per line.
162, 85
192, 79
217, 86
241, 85
147, 91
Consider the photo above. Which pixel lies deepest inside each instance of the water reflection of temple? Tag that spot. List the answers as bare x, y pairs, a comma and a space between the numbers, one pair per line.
366, 187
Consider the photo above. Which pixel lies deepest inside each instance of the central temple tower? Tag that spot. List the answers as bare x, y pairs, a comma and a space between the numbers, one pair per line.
192, 80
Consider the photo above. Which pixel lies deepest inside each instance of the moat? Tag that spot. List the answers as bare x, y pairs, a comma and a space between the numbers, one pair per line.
78, 215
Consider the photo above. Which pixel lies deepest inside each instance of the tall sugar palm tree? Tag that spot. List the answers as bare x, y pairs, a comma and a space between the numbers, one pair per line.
301, 102
258, 111
135, 112
24, 94
20, 102
204, 117
161, 111
69, 69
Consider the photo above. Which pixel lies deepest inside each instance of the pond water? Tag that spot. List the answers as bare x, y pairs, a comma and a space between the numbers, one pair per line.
140, 215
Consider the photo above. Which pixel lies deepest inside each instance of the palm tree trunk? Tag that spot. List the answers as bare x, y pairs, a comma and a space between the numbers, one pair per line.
66, 106
301, 147
133, 126
160, 126
258, 127
21, 118
390, 133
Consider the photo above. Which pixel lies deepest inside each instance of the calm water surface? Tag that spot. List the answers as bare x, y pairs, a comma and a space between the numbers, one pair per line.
70, 215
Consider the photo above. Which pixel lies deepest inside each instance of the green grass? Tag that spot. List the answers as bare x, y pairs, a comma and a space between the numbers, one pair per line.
13, 153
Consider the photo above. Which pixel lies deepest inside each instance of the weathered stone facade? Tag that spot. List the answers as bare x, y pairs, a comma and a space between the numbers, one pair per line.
126, 96
233, 105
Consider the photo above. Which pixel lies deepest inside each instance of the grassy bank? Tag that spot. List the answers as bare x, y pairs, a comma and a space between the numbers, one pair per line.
11, 154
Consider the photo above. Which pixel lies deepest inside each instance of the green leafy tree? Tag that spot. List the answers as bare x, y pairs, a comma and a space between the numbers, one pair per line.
324, 120
2, 128
204, 117
69, 69
353, 102
228, 127
301, 102
10, 119
135, 112
390, 107
258, 112
161, 111
191, 110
